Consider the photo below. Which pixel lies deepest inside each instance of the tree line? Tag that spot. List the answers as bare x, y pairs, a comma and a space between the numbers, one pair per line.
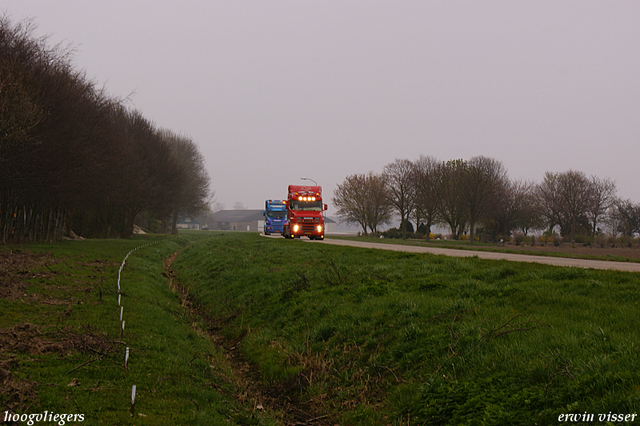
74, 159
477, 197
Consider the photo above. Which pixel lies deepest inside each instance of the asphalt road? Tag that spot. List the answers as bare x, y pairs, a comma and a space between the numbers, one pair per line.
547, 260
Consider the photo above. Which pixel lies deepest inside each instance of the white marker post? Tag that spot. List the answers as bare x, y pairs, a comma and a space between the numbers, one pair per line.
122, 331
126, 359
121, 310
133, 399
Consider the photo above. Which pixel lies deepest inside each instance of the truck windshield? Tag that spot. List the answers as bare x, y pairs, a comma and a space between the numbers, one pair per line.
310, 206
277, 215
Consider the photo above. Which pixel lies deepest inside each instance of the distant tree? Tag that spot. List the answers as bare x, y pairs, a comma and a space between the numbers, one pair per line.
565, 199
73, 158
527, 212
205, 217
398, 176
603, 196
629, 217
613, 220
516, 209
361, 199
484, 181
349, 198
428, 187
379, 211
150, 173
452, 209
575, 198
191, 186
548, 199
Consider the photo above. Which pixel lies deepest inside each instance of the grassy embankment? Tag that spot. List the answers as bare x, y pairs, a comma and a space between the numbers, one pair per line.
376, 337
366, 336
61, 348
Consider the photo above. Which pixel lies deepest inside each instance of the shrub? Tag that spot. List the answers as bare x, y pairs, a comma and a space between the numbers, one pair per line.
518, 238
392, 233
587, 240
625, 241
424, 235
396, 233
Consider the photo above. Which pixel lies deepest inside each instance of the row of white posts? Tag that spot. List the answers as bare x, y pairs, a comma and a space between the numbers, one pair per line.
126, 354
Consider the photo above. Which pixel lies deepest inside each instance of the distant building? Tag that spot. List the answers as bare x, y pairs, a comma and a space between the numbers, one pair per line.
187, 222
237, 220
247, 220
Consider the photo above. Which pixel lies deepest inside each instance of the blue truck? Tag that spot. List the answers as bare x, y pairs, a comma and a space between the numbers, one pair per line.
275, 214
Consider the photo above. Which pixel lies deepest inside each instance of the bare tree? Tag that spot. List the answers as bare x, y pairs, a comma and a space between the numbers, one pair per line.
516, 209
379, 211
548, 199
603, 196
361, 199
428, 187
527, 212
72, 158
452, 210
191, 187
399, 178
629, 217
484, 180
575, 197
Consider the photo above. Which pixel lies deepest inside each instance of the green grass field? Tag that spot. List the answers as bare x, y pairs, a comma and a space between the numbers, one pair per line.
379, 337
63, 350
361, 336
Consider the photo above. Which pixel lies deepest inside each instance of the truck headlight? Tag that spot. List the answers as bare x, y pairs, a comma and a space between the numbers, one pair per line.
319, 228
296, 227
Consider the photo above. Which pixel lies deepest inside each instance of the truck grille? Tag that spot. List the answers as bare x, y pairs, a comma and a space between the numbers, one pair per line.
309, 224
308, 227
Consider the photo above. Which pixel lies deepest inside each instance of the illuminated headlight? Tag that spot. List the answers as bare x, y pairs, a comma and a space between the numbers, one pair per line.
296, 228
319, 228
313, 198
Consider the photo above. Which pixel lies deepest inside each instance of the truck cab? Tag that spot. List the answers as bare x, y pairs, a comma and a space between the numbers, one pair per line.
275, 214
305, 213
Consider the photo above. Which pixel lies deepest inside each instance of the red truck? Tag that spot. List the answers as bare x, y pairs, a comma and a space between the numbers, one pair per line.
305, 213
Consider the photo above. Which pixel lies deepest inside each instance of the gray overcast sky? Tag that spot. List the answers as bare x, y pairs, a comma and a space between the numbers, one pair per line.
277, 90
